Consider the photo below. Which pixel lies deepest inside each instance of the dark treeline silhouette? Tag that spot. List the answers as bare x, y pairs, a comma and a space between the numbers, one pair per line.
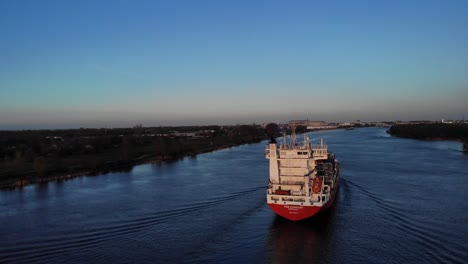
37, 155
457, 131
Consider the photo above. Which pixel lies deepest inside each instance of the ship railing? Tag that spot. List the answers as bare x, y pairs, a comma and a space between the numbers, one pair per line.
302, 147
292, 183
318, 146
297, 193
287, 166
293, 193
267, 152
319, 153
292, 200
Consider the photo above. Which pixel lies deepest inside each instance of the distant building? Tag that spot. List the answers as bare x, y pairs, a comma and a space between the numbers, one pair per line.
307, 123
447, 121
181, 134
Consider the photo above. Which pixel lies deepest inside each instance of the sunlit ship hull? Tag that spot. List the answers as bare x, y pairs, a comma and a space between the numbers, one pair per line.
304, 178
299, 212
295, 212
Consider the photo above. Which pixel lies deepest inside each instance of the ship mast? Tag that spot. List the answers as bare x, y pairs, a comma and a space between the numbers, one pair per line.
285, 143
293, 137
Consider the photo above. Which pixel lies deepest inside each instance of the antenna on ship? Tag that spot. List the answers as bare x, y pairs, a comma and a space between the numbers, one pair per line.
293, 137
285, 143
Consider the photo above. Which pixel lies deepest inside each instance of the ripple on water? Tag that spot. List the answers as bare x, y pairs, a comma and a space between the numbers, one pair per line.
400, 201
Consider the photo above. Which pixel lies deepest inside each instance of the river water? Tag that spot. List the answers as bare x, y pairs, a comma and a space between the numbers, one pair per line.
400, 200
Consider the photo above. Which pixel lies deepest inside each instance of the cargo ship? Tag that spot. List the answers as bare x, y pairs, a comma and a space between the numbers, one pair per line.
304, 177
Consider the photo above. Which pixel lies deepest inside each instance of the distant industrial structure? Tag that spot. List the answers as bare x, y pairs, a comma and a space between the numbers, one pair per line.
316, 125
307, 123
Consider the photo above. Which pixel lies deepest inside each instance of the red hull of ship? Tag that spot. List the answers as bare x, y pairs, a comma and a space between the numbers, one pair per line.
295, 212
299, 212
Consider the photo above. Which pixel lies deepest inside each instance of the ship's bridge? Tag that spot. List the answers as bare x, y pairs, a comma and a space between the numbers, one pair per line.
293, 151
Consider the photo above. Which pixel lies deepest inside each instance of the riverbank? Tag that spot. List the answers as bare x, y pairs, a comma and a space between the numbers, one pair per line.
88, 153
134, 216
116, 166
434, 131
41, 156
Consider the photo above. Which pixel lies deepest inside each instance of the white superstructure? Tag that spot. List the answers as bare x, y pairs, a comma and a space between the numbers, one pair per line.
303, 174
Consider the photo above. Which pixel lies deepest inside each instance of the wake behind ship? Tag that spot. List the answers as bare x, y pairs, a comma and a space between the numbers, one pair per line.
304, 178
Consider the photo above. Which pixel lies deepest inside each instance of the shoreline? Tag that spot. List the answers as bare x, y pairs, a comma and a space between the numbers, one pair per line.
433, 132
18, 182
21, 182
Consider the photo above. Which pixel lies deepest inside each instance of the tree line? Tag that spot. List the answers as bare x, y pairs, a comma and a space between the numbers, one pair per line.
46, 152
456, 131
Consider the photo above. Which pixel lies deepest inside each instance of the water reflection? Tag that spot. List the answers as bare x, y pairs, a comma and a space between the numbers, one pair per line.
212, 209
303, 241
42, 190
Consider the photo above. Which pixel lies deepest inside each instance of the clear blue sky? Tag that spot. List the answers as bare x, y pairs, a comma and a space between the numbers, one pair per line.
119, 63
